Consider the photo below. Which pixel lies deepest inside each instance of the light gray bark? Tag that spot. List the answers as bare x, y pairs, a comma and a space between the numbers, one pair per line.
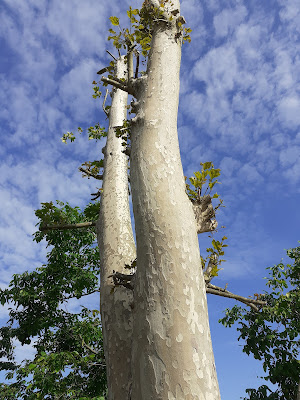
117, 248
172, 351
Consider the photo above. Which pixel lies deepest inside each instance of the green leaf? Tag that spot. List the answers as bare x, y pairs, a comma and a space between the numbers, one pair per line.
206, 165
114, 20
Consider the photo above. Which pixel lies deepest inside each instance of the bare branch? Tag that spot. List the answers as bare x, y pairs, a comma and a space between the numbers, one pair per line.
104, 101
118, 85
130, 64
127, 281
212, 289
111, 55
121, 81
136, 75
87, 172
67, 226
97, 194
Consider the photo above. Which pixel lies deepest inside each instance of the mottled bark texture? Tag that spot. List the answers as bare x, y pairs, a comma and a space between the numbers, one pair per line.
117, 248
172, 350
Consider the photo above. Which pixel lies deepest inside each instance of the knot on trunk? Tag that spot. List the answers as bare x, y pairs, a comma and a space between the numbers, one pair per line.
123, 280
204, 214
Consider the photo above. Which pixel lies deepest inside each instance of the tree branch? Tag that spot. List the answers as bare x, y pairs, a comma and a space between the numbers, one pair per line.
104, 101
67, 226
117, 85
212, 289
108, 52
137, 66
128, 282
87, 346
130, 64
85, 171
85, 294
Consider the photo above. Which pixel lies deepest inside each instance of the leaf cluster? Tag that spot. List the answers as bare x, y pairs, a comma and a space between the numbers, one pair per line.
96, 132
212, 261
140, 31
93, 167
69, 361
124, 132
63, 368
272, 335
142, 22
203, 181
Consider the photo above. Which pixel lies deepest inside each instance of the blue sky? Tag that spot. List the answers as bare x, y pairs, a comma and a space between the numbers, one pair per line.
239, 107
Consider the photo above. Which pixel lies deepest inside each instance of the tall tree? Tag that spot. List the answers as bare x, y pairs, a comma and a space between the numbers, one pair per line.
154, 315
172, 350
170, 308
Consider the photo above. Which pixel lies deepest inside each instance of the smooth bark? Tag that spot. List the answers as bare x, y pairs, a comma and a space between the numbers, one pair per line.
172, 350
117, 248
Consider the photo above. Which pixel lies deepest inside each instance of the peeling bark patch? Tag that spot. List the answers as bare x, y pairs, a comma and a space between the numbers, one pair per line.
159, 371
179, 338
193, 317
197, 363
209, 396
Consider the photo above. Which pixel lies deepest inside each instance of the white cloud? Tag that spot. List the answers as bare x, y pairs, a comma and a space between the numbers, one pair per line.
229, 166
192, 12
289, 155
228, 19
290, 11
289, 110
75, 90
249, 174
211, 70
293, 174
25, 351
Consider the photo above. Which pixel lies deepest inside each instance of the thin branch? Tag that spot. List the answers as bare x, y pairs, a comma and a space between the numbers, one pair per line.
67, 226
121, 81
85, 294
87, 346
212, 289
104, 101
137, 66
117, 85
87, 172
96, 195
111, 55
130, 64
114, 83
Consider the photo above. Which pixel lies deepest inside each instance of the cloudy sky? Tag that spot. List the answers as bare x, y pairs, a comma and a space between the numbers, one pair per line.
239, 108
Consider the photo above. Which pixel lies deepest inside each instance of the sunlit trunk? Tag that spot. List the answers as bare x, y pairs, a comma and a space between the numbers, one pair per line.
172, 350
117, 248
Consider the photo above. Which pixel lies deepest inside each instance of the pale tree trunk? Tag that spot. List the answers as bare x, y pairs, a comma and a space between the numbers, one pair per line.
117, 248
172, 350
